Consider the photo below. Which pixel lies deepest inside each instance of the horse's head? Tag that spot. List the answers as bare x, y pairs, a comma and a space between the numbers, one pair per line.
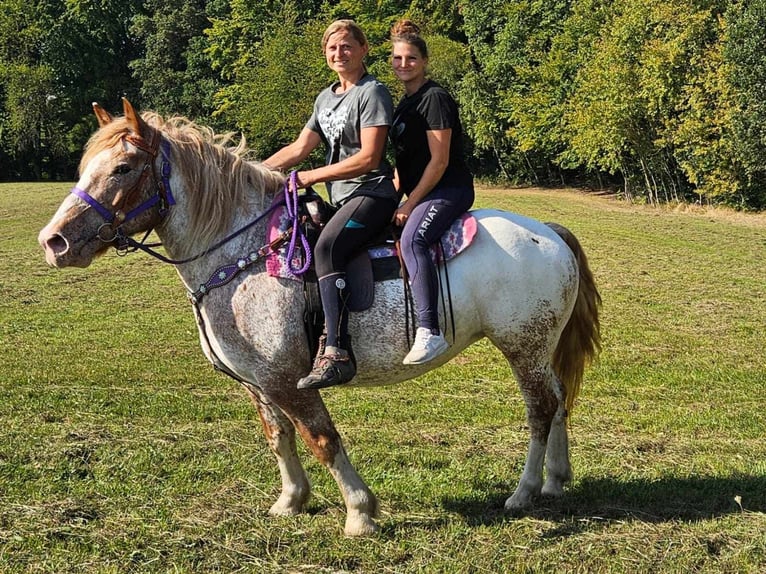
122, 190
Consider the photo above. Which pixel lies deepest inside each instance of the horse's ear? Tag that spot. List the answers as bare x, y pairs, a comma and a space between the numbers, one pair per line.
102, 115
136, 123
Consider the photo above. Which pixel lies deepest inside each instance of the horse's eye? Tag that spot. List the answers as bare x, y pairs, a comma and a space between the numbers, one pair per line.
121, 169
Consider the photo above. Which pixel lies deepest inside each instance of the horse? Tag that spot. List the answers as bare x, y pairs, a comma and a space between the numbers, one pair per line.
523, 284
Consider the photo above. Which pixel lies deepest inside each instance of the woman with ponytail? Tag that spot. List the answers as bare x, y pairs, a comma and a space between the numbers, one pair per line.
431, 171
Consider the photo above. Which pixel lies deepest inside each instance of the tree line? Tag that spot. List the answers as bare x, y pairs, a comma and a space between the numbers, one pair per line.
663, 101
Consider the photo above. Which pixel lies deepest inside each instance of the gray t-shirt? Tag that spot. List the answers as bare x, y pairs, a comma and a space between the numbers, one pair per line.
339, 119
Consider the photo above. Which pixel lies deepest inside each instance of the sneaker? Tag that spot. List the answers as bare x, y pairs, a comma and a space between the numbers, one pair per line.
333, 367
426, 347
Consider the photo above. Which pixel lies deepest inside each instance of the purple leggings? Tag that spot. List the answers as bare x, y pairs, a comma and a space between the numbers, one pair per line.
425, 226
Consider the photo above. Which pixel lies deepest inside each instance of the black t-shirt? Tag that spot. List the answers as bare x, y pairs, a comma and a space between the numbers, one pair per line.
430, 108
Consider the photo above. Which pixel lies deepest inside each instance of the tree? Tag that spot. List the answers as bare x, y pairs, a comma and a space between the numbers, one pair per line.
508, 42
538, 110
701, 130
24, 90
175, 71
745, 72
273, 98
628, 97
57, 59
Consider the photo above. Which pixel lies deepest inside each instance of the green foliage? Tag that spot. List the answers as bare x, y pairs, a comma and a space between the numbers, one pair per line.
237, 32
30, 120
623, 115
509, 41
701, 133
746, 74
89, 45
443, 17
662, 99
21, 32
174, 70
23, 88
539, 109
449, 61
57, 59
286, 75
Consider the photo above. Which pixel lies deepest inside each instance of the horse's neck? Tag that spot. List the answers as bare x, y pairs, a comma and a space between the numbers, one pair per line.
180, 242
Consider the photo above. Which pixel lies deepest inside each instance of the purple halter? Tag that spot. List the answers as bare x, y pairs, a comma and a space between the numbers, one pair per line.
163, 195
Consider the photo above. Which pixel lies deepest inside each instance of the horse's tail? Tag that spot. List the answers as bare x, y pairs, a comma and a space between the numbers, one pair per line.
580, 342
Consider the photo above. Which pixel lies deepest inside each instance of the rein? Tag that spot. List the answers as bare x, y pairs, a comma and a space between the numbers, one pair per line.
113, 222
291, 203
226, 273
140, 245
164, 197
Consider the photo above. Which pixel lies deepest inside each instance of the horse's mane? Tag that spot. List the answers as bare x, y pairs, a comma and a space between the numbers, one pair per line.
219, 179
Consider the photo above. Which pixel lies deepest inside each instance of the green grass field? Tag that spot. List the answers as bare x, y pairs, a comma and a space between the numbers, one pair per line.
123, 451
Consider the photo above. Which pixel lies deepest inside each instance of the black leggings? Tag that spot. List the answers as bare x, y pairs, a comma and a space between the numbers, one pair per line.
357, 222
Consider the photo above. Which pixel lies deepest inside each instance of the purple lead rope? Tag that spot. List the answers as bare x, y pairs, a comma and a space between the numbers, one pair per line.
291, 202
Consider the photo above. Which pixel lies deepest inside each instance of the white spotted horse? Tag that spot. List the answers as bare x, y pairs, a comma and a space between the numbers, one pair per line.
523, 284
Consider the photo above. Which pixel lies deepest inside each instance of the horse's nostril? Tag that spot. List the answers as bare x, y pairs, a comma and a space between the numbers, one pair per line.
56, 244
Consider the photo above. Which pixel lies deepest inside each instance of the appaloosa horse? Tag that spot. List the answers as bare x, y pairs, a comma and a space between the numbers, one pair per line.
523, 284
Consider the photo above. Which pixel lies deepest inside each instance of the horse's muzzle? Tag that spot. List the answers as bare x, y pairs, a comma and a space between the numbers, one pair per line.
55, 247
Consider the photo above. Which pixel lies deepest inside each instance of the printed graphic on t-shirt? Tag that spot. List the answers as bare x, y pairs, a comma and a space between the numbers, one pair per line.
332, 122
396, 137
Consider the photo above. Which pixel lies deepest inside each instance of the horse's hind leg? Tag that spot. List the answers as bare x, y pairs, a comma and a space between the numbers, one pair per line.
308, 414
557, 465
280, 436
546, 419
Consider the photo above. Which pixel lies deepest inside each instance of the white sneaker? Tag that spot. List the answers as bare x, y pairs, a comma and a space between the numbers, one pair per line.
426, 347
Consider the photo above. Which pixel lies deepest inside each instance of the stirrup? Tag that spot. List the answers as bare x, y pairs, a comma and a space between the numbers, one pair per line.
334, 367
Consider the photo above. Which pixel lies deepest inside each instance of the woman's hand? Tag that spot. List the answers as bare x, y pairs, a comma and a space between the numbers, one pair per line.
302, 179
402, 214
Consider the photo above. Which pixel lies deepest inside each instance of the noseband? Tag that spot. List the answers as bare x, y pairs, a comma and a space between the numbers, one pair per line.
111, 231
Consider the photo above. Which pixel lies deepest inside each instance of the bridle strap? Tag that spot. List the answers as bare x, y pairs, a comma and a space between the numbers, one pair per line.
164, 181
142, 144
135, 245
163, 195
107, 215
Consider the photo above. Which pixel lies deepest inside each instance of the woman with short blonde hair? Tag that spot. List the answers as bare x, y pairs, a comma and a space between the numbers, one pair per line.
351, 118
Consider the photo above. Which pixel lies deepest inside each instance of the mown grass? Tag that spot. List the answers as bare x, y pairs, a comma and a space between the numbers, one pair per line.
123, 451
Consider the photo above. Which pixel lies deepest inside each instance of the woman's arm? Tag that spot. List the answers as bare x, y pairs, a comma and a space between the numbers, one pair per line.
294, 153
373, 140
438, 145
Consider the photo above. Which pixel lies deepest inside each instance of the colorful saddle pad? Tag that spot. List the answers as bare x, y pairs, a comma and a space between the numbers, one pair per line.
454, 241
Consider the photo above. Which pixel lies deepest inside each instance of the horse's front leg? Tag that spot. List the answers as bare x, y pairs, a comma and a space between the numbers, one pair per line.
280, 436
308, 413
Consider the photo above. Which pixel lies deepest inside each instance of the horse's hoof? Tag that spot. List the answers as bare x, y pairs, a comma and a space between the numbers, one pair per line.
285, 508
552, 490
360, 525
518, 504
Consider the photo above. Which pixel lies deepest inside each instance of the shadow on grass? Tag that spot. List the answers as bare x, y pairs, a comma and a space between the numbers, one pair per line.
663, 500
